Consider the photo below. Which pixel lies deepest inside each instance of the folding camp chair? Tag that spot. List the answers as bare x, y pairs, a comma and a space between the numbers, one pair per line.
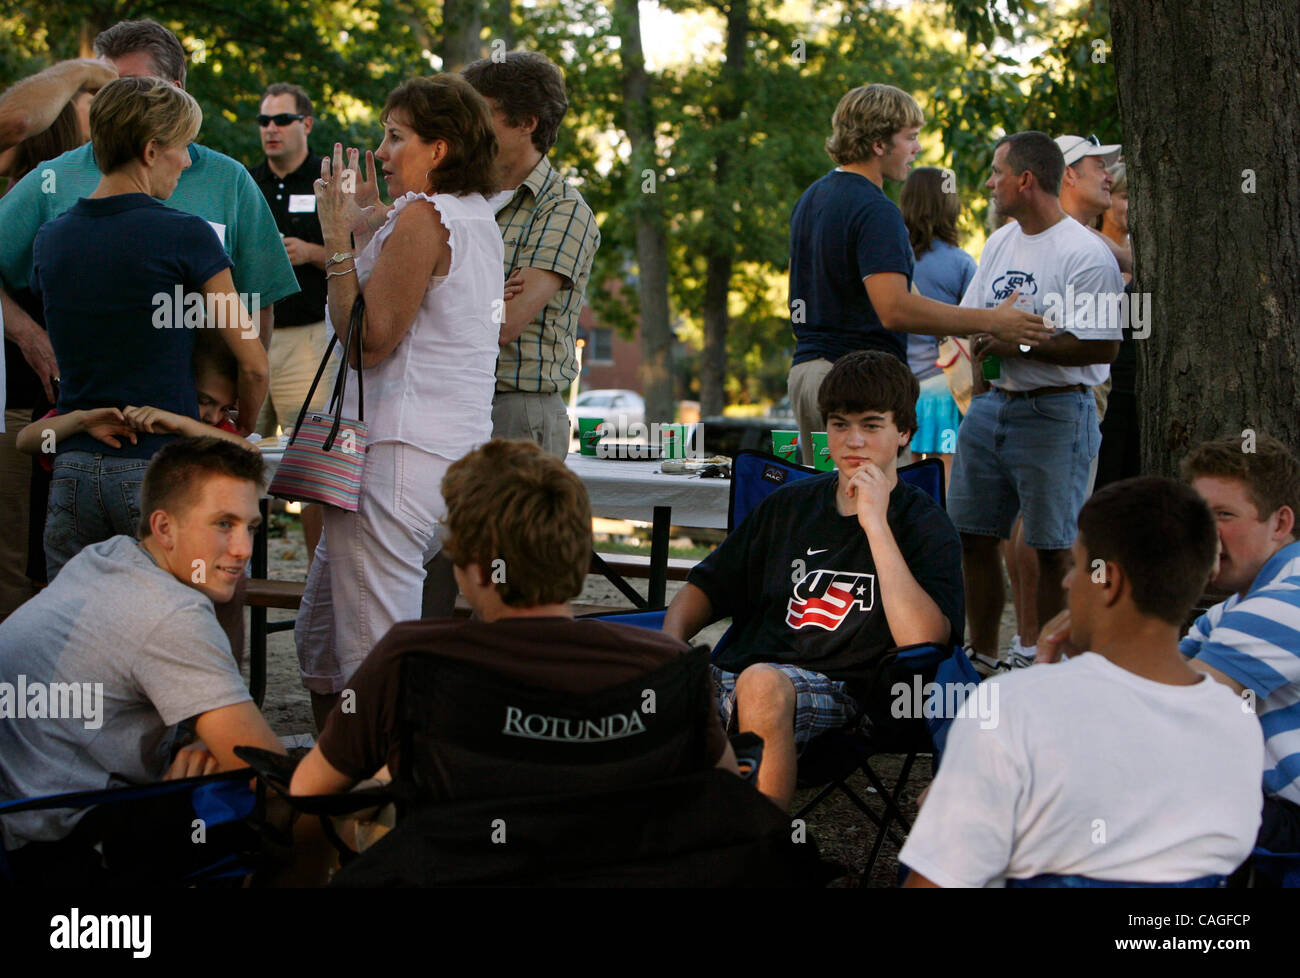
1053, 881
157, 823
494, 785
1275, 869
832, 758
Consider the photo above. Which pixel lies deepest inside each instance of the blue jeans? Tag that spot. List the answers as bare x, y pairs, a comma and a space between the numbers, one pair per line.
92, 497
1024, 454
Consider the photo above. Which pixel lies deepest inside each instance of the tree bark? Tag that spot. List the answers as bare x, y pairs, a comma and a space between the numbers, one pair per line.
651, 239
1210, 103
462, 25
720, 248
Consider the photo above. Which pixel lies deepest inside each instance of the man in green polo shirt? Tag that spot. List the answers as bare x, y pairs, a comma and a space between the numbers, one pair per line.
551, 239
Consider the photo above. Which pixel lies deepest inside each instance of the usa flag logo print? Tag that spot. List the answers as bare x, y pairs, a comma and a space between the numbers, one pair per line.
824, 598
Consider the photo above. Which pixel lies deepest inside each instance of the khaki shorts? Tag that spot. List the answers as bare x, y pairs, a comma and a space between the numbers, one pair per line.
539, 418
804, 383
295, 356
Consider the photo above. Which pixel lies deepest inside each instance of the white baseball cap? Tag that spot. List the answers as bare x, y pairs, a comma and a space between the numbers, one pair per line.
1075, 148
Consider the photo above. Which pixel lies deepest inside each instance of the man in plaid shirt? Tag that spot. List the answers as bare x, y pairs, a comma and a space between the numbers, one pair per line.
550, 240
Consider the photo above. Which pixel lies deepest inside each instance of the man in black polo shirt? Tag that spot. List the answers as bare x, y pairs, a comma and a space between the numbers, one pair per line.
287, 180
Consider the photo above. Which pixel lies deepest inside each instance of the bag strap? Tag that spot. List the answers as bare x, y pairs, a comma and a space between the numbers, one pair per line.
340, 381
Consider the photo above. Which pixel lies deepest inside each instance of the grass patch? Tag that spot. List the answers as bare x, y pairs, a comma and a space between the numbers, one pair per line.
611, 547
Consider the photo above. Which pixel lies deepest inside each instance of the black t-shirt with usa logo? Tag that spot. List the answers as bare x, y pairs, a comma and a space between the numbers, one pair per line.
799, 581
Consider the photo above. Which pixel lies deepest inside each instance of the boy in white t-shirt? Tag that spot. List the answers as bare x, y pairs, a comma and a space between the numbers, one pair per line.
1123, 764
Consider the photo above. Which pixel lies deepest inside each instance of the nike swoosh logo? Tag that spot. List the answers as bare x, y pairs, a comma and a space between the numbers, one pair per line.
813, 553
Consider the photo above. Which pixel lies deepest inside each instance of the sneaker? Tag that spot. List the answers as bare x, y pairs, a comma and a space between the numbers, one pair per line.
1022, 657
985, 665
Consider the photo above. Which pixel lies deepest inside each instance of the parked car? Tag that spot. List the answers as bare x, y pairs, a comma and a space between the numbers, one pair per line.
618, 407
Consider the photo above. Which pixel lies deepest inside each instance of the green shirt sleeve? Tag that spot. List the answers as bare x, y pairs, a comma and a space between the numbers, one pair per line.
22, 212
261, 264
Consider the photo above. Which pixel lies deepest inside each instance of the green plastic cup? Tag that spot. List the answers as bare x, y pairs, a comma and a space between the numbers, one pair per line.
672, 440
589, 433
822, 452
785, 445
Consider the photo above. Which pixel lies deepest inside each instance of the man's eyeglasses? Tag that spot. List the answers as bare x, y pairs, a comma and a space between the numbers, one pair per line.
283, 119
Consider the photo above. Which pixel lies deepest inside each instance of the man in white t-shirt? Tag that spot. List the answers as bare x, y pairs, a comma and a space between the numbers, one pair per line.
1123, 764
1027, 445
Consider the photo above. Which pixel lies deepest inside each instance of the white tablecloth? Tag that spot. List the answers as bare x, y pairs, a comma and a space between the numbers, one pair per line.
631, 490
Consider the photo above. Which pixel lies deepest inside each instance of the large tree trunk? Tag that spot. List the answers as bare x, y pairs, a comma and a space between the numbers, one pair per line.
1210, 100
720, 248
462, 25
651, 239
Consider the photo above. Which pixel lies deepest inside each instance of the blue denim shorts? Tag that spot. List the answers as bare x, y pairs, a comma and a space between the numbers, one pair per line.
1027, 455
92, 497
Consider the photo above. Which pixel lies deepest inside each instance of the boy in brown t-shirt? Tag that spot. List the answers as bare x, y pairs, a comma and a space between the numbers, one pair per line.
518, 529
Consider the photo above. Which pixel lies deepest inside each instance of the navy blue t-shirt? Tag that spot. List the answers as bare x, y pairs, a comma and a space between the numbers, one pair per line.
843, 229
799, 581
107, 272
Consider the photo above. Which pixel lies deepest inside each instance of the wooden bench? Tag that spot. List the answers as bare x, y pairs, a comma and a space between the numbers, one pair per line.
634, 565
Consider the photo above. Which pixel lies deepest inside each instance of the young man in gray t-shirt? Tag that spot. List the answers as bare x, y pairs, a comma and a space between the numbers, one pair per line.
98, 669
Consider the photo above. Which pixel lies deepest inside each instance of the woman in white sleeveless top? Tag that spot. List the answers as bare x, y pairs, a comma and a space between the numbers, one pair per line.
431, 276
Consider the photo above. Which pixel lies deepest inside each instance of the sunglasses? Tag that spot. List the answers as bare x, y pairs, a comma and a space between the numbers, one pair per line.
283, 119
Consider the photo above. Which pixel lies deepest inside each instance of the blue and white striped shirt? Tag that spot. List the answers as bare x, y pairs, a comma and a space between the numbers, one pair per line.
1256, 641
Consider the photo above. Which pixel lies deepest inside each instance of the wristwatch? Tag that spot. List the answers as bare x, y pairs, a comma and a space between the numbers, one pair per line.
338, 256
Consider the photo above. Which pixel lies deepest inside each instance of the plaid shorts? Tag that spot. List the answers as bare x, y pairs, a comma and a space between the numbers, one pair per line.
821, 704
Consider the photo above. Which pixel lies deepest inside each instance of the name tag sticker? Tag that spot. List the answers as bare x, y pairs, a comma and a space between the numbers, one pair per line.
302, 203
221, 231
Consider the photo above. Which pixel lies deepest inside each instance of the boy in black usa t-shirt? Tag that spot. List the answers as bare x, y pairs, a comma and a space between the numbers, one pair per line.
826, 576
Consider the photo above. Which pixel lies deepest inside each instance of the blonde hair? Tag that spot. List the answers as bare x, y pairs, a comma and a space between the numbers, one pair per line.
130, 112
870, 114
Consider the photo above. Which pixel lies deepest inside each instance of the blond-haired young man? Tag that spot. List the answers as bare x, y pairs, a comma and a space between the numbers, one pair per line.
851, 261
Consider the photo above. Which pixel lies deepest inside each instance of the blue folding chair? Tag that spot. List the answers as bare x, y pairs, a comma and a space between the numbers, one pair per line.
1053, 881
216, 799
1276, 869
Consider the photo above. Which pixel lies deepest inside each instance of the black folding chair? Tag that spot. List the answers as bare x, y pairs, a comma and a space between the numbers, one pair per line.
503, 783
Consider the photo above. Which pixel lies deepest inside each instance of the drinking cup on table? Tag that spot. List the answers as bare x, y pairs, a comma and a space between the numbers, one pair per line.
590, 431
785, 445
822, 452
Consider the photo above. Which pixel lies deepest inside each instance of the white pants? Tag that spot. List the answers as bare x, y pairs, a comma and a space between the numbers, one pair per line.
368, 573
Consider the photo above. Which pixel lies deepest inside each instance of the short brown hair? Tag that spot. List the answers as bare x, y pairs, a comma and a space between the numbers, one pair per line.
163, 47
129, 112
301, 100
870, 114
212, 354
526, 85
509, 501
176, 472
1271, 473
928, 211
447, 107
1038, 153
1161, 533
870, 380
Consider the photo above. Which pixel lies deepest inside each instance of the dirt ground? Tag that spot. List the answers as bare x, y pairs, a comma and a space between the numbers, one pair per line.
843, 834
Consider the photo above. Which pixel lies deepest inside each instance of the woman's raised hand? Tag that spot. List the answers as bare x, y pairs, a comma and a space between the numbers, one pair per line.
337, 193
